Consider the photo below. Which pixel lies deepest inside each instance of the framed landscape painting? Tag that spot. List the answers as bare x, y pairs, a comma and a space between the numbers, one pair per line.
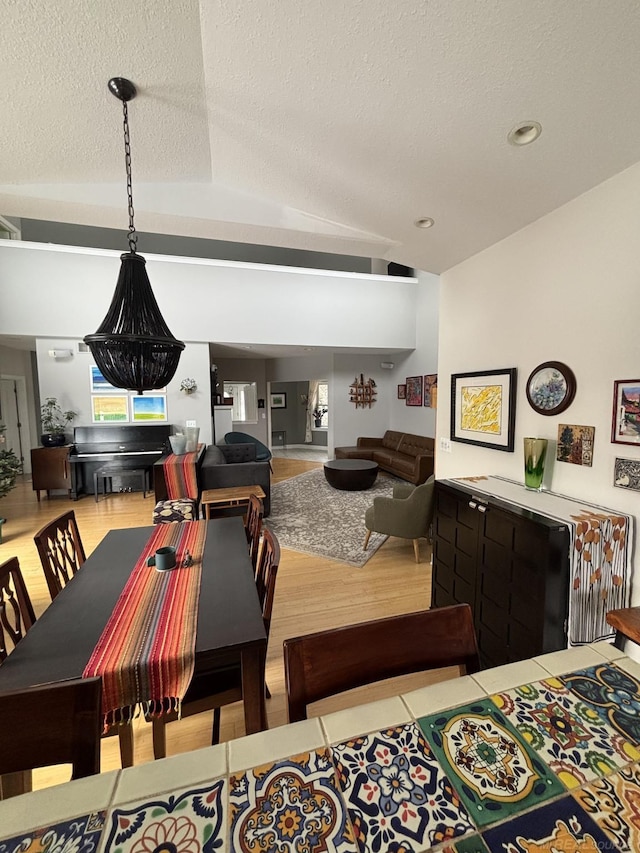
483, 408
148, 409
625, 425
99, 384
414, 391
279, 400
109, 410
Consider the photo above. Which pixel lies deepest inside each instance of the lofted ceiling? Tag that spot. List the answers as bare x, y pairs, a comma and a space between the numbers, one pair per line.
328, 127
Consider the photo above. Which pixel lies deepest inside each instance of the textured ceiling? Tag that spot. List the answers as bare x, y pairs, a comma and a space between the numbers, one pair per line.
320, 126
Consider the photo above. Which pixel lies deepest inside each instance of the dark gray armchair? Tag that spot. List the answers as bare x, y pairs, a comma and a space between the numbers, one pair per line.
408, 514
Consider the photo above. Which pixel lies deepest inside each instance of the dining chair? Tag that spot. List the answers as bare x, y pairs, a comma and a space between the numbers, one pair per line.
329, 662
227, 682
51, 724
16, 610
626, 621
253, 527
60, 549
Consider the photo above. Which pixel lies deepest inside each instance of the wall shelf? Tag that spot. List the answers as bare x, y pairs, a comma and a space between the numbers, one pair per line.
362, 393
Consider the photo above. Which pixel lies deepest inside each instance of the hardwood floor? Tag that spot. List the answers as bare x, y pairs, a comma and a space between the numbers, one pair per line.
312, 593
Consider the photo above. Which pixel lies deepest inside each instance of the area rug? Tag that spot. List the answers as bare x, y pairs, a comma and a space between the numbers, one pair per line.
308, 515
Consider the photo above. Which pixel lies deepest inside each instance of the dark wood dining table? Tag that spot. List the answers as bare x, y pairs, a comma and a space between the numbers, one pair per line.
230, 629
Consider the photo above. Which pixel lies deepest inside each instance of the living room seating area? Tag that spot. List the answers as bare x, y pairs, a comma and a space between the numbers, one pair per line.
410, 457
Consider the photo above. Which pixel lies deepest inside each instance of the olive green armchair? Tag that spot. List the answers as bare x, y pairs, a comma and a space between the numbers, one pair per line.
408, 514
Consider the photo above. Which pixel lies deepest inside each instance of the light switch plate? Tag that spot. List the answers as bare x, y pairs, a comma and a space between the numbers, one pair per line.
445, 445
190, 423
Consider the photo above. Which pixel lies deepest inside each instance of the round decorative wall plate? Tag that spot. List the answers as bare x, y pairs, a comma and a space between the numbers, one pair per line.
551, 388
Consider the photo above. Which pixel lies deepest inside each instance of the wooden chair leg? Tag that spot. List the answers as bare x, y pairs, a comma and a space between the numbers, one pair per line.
159, 738
416, 549
366, 540
125, 736
619, 641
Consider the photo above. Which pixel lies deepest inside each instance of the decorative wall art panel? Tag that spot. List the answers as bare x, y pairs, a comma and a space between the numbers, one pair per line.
147, 409
402, 392
414, 391
109, 409
431, 390
483, 408
575, 444
627, 474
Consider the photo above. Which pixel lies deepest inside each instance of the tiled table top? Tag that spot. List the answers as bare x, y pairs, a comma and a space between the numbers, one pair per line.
541, 755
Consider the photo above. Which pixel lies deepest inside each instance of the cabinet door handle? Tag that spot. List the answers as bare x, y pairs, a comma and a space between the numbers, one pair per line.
482, 508
473, 504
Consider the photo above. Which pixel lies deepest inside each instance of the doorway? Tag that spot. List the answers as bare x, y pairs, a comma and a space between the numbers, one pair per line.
13, 414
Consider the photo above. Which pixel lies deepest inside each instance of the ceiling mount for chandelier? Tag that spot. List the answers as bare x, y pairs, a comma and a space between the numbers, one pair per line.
133, 346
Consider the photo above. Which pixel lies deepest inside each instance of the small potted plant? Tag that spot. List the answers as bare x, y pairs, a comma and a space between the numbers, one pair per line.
188, 386
318, 414
54, 421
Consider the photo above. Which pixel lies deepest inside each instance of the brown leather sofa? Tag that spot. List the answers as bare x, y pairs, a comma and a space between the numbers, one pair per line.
408, 456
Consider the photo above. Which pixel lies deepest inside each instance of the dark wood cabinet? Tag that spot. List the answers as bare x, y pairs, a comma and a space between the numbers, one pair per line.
510, 564
50, 469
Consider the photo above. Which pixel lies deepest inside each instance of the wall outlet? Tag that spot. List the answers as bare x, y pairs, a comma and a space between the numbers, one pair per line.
190, 423
445, 445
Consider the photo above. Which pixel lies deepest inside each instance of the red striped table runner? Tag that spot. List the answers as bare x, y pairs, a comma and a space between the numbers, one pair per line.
146, 652
180, 475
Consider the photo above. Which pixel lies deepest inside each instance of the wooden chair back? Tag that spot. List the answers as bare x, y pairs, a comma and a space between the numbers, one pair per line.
253, 527
329, 662
60, 549
53, 724
266, 574
16, 611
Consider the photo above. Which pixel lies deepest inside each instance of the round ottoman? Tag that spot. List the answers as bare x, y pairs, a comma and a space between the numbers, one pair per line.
351, 475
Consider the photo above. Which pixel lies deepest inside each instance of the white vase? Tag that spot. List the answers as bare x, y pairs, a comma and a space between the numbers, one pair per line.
192, 434
178, 443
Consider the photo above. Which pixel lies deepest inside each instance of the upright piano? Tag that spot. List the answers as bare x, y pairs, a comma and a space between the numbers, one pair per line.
118, 447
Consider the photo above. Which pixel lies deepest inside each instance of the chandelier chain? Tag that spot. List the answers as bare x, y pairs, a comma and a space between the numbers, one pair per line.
133, 236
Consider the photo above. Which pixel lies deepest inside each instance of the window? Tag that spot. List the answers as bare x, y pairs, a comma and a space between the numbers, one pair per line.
245, 401
322, 402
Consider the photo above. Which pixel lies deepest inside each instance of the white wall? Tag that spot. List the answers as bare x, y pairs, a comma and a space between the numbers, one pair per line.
15, 362
566, 288
206, 300
423, 360
68, 380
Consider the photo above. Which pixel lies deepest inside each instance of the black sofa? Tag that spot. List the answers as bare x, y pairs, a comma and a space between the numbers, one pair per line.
227, 465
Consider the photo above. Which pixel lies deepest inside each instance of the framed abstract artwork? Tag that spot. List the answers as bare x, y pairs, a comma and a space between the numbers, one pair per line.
575, 444
551, 388
402, 392
431, 390
99, 384
625, 425
109, 409
414, 391
483, 408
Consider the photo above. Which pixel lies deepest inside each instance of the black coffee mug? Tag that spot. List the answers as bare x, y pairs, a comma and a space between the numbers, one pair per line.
164, 558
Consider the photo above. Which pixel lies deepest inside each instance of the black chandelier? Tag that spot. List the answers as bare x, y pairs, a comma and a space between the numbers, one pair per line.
133, 346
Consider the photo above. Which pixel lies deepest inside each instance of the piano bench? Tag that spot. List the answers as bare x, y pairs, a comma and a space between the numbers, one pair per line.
178, 509
107, 473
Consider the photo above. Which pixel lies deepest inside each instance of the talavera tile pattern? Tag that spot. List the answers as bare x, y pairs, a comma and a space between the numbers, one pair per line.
188, 821
554, 828
494, 770
290, 805
570, 736
79, 835
615, 694
614, 804
397, 793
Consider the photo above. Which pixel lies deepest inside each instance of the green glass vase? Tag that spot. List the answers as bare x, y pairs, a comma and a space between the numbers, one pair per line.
535, 453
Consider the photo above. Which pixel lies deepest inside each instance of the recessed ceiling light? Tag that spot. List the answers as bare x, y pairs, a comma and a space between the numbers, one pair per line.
524, 133
424, 222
